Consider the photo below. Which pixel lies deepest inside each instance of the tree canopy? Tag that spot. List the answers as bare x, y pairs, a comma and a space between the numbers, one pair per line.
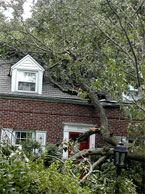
94, 45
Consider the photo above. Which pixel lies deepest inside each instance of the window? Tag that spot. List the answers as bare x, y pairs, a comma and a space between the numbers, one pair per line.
27, 81
27, 76
16, 137
131, 95
21, 136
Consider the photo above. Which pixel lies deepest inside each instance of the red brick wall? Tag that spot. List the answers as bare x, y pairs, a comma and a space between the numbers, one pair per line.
49, 116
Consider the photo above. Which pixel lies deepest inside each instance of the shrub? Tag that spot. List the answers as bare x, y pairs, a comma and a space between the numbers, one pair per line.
18, 176
50, 151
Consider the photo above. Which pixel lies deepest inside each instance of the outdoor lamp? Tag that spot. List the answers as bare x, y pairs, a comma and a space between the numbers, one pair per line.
120, 153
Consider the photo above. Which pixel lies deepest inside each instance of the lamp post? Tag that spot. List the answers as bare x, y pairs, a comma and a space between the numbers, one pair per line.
120, 154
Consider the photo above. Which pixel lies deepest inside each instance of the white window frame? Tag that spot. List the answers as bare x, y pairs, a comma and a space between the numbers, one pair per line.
36, 83
22, 131
27, 64
132, 95
80, 128
10, 135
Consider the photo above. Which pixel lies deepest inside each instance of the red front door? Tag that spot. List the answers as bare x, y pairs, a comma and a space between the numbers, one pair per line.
84, 144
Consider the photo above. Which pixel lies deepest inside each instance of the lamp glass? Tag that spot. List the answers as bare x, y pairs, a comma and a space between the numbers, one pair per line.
122, 159
116, 158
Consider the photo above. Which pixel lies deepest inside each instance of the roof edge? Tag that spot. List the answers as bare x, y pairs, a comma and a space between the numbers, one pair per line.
55, 100
43, 98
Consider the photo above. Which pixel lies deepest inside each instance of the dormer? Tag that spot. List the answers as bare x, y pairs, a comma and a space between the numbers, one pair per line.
132, 94
27, 76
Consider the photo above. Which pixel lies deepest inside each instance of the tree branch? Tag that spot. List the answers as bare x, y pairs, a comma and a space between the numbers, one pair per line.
105, 151
60, 87
134, 153
92, 167
130, 44
104, 128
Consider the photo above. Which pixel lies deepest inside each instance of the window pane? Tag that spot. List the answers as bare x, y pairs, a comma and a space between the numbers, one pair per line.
18, 141
24, 86
17, 134
26, 76
23, 135
22, 140
30, 77
74, 136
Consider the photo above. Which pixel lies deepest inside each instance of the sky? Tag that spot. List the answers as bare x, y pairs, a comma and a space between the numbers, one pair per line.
27, 8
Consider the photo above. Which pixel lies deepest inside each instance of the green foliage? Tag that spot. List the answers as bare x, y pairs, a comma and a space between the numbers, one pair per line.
30, 146
94, 41
99, 42
135, 172
50, 151
104, 179
53, 181
137, 133
18, 176
124, 185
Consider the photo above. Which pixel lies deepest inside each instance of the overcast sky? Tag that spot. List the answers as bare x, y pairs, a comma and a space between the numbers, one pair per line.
27, 8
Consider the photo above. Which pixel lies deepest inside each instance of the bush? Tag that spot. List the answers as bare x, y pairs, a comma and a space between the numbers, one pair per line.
18, 176
104, 179
50, 151
30, 146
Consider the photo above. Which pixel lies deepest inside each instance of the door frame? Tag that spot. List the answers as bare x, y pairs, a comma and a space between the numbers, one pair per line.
76, 127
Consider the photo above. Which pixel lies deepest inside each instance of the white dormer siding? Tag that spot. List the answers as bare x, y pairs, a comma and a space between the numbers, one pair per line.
132, 95
27, 76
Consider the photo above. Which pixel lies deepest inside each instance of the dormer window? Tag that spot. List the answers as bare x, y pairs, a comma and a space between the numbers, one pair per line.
131, 95
27, 81
27, 76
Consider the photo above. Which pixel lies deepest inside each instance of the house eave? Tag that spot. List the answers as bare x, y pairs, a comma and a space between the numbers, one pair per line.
42, 98
54, 99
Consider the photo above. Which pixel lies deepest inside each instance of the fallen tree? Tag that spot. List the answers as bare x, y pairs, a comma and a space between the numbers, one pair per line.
96, 46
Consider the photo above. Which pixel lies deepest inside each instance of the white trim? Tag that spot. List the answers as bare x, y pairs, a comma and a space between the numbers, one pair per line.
36, 82
133, 94
76, 127
43, 144
8, 134
21, 131
44, 133
15, 66
25, 67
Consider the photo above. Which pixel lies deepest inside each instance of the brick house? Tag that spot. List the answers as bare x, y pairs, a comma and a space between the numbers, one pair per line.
32, 107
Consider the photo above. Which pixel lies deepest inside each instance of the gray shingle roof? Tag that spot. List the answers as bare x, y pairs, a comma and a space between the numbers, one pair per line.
49, 90
5, 80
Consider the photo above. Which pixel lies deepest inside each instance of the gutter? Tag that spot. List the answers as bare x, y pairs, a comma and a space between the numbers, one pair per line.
57, 100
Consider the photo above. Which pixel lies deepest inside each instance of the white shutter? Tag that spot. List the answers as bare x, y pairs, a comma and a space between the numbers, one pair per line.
6, 135
41, 138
